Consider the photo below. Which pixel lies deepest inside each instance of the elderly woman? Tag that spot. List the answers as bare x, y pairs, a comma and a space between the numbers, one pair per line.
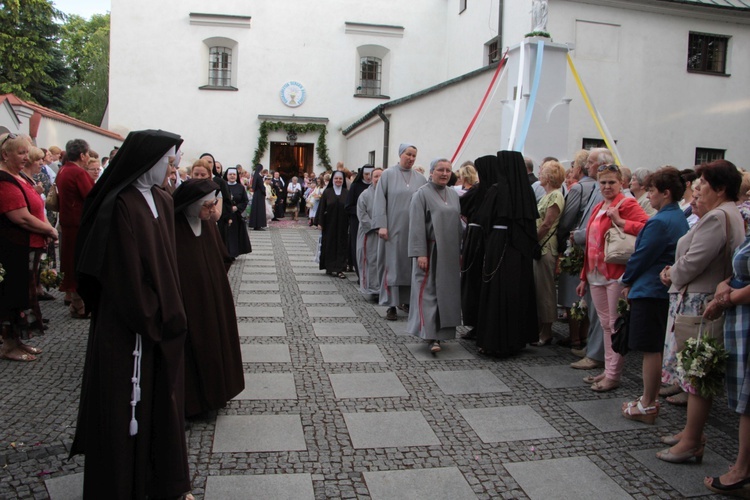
294, 194
334, 225
73, 185
702, 261
649, 302
391, 217
367, 240
602, 277
24, 231
733, 298
550, 207
435, 247
131, 423
639, 190
313, 199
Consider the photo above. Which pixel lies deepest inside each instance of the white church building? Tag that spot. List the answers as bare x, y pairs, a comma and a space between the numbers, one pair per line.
301, 85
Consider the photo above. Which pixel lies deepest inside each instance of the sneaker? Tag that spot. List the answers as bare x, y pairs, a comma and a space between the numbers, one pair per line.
586, 364
390, 314
435, 346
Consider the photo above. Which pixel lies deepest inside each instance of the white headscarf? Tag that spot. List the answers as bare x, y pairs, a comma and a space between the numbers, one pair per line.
193, 211
226, 174
153, 177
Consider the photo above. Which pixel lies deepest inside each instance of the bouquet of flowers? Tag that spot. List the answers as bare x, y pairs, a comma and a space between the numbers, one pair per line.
579, 310
2, 273
572, 260
622, 307
702, 363
49, 278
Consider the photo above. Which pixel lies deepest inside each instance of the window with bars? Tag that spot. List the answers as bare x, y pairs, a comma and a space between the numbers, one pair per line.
370, 76
493, 54
371, 158
707, 53
220, 67
705, 155
590, 143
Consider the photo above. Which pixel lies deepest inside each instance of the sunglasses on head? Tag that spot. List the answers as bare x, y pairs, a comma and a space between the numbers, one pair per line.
610, 168
9, 136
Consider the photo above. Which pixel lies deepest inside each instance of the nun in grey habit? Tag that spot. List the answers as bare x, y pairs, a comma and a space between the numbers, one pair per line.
367, 241
435, 248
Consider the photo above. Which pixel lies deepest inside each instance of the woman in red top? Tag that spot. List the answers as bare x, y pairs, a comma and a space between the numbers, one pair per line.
24, 232
73, 185
603, 277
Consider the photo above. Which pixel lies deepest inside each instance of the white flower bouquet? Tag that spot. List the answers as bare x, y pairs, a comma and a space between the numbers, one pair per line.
702, 363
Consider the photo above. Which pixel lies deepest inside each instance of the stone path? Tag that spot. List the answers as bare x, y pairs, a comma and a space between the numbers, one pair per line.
340, 403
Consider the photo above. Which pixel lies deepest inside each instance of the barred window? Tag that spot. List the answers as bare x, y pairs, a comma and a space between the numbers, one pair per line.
707, 53
220, 67
493, 54
706, 155
370, 76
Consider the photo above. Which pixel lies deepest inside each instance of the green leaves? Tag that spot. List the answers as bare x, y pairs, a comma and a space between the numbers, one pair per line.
321, 146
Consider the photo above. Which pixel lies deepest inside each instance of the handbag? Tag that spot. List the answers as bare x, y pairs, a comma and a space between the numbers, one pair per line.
618, 245
688, 326
52, 203
621, 334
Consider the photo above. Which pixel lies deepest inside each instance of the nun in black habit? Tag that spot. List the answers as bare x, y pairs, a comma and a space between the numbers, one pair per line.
213, 361
238, 241
334, 224
131, 416
226, 197
473, 243
507, 318
257, 219
359, 185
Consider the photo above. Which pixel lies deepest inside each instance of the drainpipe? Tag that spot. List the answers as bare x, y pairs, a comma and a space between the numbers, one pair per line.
501, 8
386, 135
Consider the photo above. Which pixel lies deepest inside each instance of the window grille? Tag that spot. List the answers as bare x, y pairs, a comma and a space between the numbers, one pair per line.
706, 155
370, 76
707, 53
220, 66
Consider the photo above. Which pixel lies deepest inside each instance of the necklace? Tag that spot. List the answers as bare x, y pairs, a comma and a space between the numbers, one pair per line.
404, 177
443, 195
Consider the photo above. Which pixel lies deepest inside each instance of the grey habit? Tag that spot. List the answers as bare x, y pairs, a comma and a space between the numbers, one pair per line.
435, 231
367, 245
391, 211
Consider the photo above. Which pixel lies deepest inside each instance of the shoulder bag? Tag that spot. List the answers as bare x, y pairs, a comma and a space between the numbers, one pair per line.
618, 245
52, 203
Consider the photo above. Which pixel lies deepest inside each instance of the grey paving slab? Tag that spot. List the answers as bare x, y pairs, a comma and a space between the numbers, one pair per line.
268, 386
389, 429
536, 352
351, 353
68, 487
367, 385
317, 287
449, 350
249, 329
556, 377
269, 486
259, 287
398, 327
255, 433
605, 414
440, 483
259, 312
508, 423
260, 277
313, 298
330, 312
260, 263
299, 257
468, 382
340, 330
314, 278
576, 477
259, 298
265, 353
308, 264
685, 478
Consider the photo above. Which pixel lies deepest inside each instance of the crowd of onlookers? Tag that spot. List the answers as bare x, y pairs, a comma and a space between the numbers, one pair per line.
491, 246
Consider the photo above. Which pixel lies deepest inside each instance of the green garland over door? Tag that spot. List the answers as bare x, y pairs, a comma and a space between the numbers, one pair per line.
321, 146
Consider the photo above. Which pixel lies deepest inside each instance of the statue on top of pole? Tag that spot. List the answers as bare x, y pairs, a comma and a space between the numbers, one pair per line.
539, 12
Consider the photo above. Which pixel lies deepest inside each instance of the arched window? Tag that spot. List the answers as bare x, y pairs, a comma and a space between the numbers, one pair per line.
372, 71
220, 67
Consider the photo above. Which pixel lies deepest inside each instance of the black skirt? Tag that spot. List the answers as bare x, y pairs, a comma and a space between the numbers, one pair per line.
648, 324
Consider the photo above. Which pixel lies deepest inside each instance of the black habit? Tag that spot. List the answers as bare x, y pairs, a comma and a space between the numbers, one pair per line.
257, 218
238, 242
334, 222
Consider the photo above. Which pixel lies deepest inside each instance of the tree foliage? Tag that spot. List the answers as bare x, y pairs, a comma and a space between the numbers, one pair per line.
28, 37
85, 45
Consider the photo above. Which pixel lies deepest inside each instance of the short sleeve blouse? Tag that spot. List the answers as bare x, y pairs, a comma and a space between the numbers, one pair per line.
12, 198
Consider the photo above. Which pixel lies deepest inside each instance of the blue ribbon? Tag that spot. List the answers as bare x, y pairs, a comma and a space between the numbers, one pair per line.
532, 97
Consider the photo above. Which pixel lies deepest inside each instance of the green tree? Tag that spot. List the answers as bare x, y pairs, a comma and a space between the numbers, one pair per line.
85, 45
28, 37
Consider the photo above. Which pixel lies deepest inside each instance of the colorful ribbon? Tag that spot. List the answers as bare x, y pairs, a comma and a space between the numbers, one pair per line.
519, 95
598, 120
481, 105
532, 97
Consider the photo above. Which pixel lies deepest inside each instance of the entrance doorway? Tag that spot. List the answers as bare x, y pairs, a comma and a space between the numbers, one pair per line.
290, 160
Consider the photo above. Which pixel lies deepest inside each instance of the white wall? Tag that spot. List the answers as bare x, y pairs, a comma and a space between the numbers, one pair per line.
58, 133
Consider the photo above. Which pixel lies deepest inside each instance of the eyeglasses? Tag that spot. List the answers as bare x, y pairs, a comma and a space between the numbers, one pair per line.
611, 168
11, 135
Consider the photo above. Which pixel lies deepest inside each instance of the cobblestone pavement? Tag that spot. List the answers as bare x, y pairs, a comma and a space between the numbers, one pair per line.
341, 404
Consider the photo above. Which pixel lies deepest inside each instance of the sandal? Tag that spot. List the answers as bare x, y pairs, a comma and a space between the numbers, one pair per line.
592, 379
680, 399
17, 355
29, 349
605, 385
636, 411
739, 489
669, 390
341, 275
